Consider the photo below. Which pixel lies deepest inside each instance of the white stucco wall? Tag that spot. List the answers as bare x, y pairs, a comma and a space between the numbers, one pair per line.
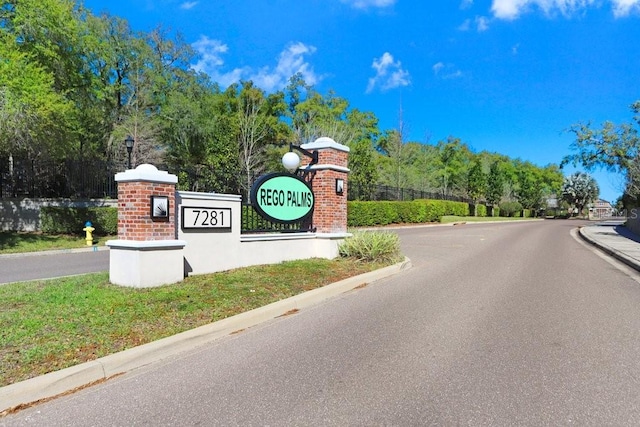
145, 264
210, 251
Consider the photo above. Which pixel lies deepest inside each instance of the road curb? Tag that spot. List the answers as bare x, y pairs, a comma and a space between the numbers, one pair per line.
631, 262
59, 382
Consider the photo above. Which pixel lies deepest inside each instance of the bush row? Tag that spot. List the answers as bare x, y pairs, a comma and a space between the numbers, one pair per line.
366, 214
58, 220
363, 214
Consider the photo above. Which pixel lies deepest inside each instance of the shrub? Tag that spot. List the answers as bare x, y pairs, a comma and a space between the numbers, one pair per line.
480, 210
59, 220
370, 246
510, 209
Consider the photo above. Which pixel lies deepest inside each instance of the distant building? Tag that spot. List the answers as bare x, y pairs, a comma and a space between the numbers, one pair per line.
600, 209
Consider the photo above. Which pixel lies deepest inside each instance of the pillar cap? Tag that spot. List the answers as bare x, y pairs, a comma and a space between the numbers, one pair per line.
147, 172
325, 142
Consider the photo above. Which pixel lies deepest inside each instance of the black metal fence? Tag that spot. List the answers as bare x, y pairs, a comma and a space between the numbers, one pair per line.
96, 179
68, 179
386, 192
253, 222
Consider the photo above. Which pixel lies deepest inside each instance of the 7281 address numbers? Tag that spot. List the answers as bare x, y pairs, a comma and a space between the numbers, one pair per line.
194, 217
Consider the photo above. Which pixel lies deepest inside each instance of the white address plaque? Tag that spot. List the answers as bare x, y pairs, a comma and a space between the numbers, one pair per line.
206, 218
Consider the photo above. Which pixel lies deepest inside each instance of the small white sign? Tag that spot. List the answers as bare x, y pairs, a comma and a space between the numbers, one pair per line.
209, 218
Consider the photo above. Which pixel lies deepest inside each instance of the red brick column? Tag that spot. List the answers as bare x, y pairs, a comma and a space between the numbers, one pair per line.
330, 211
135, 188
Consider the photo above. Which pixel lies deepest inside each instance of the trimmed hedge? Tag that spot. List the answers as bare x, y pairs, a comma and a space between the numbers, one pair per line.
58, 220
372, 213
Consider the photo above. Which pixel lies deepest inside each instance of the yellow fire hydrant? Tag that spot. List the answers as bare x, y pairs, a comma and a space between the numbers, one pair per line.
88, 229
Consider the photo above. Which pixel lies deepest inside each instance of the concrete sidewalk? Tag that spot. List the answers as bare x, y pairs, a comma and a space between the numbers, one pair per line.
615, 239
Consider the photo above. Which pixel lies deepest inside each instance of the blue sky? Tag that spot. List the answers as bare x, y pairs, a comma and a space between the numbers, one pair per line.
507, 76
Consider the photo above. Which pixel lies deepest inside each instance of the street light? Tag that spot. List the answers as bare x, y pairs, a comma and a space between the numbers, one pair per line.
129, 141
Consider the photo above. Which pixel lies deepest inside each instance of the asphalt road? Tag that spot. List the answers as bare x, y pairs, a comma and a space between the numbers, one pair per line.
496, 324
33, 267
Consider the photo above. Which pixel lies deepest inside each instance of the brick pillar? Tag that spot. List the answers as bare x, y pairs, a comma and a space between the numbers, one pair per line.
135, 188
330, 211
147, 252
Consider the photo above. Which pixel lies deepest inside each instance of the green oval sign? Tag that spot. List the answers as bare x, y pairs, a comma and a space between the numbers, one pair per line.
282, 197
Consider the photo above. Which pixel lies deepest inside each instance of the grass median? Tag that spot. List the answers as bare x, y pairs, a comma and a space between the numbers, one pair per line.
53, 324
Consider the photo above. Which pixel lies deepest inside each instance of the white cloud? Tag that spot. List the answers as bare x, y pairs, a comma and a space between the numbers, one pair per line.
389, 74
188, 5
513, 9
466, 4
366, 4
508, 9
446, 71
625, 7
291, 61
482, 23
211, 62
465, 26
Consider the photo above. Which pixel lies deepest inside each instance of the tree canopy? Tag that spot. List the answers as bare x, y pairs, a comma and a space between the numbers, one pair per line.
73, 85
613, 147
580, 189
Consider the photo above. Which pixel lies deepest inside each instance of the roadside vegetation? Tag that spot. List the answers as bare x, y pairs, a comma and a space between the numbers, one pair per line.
53, 324
49, 325
372, 246
91, 80
13, 242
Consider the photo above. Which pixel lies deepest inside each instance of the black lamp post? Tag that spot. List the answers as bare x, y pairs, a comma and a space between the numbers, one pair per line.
129, 141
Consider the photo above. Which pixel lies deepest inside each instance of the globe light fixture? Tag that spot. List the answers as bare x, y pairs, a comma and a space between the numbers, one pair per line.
290, 161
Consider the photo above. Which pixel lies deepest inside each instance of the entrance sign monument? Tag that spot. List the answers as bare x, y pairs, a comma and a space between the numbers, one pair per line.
201, 232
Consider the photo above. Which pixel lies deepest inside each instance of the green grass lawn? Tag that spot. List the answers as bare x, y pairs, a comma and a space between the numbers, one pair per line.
53, 324
12, 242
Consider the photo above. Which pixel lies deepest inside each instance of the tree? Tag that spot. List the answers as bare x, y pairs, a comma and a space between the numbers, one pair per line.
530, 186
362, 158
200, 132
363, 179
312, 115
495, 185
258, 119
454, 159
613, 147
476, 184
579, 189
33, 116
42, 66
